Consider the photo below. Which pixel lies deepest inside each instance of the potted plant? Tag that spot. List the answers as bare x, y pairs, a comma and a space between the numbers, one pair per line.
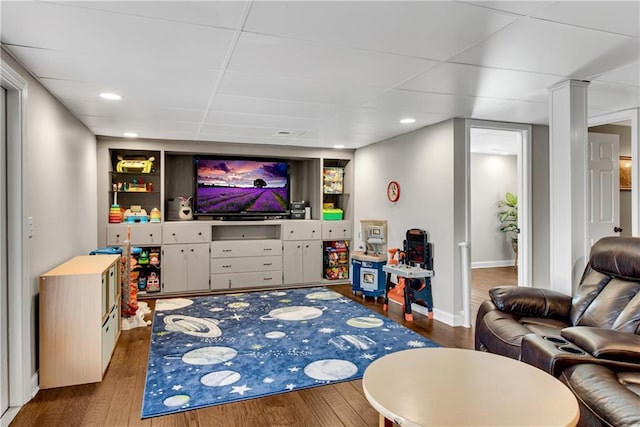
508, 216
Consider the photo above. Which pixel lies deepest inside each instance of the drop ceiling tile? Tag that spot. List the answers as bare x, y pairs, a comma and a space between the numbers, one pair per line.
295, 89
627, 75
405, 102
473, 80
247, 131
620, 17
612, 97
163, 96
519, 7
117, 37
550, 48
255, 120
63, 65
516, 112
225, 14
131, 110
399, 27
125, 124
312, 61
275, 107
166, 132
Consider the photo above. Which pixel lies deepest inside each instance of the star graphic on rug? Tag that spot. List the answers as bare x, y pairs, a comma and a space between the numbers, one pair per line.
290, 387
257, 347
368, 356
161, 333
240, 390
229, 363
414, 343
188, 344
176, 387
216, 309
388, 348
305, 341
294, 369
268, 380
326, 330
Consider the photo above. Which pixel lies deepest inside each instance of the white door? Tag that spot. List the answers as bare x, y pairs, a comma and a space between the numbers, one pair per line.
4, 283
604, 186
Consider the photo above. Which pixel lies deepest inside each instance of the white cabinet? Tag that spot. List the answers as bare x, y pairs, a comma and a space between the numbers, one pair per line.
141, 234
246, 263
185, 267
336, 230
185, 253
79, 320
302, 252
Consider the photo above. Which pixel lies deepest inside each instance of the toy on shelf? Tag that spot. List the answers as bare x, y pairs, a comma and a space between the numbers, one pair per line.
155, 215
135, 164
135, 214
115, 215
179, 208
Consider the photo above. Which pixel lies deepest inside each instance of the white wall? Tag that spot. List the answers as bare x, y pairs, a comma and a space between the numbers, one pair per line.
540, 205
60, 188
492, 176
427, 165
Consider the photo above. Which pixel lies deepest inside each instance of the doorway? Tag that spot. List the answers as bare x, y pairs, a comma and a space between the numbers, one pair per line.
499, 163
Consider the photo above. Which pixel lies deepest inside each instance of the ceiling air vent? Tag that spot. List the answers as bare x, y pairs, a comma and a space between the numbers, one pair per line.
283, 133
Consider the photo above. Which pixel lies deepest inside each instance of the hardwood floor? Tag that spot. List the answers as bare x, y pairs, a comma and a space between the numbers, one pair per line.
117, 400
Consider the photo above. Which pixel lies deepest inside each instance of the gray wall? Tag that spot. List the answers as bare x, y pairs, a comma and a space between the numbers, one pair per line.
429, 166
625, 150
60, 188
492, 176
540, 228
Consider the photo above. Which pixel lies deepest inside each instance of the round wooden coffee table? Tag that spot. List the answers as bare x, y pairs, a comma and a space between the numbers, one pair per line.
447, 386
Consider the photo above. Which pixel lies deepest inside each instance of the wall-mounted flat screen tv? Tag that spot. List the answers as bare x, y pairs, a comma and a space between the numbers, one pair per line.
240, 186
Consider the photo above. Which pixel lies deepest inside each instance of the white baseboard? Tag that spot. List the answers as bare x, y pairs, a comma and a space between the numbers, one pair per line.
8, 416
35, 384
439, 315
493, 264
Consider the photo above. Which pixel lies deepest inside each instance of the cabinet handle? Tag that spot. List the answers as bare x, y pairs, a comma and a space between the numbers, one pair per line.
173, 234
150, 234
182, 250
117, 236
200, 233
298, 246
330, 231
306, 246
267, 263
226, 266
191, 250
268, 249
291, 231
268, 278
226, 250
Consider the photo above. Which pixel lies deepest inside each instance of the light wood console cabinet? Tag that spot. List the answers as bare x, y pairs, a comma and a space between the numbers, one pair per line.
79, 320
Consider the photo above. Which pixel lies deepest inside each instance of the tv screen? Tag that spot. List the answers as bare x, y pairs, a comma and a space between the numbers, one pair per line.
234, 186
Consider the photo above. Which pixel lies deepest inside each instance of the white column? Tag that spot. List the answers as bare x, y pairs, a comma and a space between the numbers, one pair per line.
568, 151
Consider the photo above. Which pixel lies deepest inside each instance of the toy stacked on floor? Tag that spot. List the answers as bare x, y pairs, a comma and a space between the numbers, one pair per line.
336, 260
414, 269
145, 269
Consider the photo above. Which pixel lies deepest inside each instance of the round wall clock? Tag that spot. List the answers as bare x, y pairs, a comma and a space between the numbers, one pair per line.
393, 191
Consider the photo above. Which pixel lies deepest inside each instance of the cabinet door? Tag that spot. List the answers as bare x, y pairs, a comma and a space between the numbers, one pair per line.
336, 230
292, 262
301, 230
174, 268
312, 261
198, 266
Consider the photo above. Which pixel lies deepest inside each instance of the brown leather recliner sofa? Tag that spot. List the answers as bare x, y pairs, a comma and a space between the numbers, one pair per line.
590, 341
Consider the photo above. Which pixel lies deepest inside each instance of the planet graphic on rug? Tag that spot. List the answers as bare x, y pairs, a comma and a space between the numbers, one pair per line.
172, 304
330, 369
274, 335
345, 342
278, 293
209, 355
205, 328
177, 400
220, 378
323, 296
365, 322
296, 312
238, 305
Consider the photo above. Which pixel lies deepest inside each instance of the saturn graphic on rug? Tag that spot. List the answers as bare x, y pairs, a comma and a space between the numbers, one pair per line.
296, 312
323, 296
209, 355
205, 328
365, 322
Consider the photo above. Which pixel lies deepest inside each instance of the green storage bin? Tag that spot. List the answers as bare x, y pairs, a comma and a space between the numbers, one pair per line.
332, 214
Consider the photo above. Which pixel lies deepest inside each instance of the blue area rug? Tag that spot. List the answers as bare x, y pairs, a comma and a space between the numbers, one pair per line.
219, 349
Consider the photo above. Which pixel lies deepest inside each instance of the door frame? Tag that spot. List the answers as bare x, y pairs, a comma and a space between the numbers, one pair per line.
525, 272
634, 116
19, 287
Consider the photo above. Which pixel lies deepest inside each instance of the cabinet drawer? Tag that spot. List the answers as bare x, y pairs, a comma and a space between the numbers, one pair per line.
336, 230
141, 234
246, 280
295, 230
243, 265
185, 233
245, 248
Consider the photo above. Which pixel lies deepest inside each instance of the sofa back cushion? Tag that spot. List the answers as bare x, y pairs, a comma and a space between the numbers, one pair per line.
609, 292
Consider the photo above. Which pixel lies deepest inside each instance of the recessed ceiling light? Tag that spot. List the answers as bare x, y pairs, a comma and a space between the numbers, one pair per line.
338, 146
407, 121
130, 135
110, 96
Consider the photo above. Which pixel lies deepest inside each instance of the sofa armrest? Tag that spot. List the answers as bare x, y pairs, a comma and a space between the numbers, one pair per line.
605, 343
532, 302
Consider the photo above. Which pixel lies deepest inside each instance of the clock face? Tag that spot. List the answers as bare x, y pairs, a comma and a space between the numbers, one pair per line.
393, 191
